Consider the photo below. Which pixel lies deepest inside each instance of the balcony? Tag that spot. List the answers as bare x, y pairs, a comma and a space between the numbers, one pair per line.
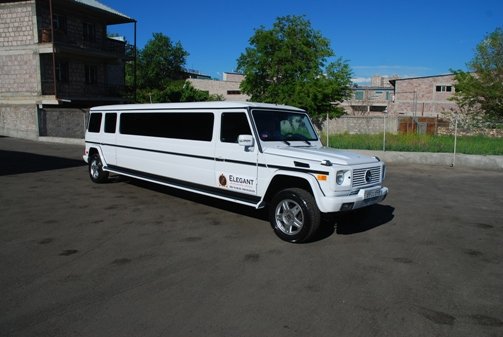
83, 92
104, 48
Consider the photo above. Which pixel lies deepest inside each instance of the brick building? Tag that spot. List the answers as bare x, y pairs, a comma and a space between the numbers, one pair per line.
228, 88
368, 100
56, 61
422, 96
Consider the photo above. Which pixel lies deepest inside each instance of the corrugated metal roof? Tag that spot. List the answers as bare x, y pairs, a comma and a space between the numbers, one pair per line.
99, 5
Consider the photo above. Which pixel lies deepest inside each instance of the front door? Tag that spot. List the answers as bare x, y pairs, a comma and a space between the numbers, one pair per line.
236, 165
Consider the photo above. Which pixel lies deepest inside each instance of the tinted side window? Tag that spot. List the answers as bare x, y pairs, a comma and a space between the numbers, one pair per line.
233, 125
110, 122
191, 126
95, 122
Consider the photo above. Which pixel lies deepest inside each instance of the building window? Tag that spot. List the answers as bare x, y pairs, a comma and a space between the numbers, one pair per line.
89, 32
233, 92
59, 23
359, 95
61, 71
444, 88
91, 74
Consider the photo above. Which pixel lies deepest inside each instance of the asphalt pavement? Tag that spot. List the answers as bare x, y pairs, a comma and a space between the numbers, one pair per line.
130, 258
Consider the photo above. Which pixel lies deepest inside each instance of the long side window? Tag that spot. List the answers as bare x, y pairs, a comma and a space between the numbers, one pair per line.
191, 126
95, 122
233, 125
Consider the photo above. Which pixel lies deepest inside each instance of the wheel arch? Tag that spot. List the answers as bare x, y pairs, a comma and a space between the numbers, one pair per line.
96, 149
284, 180
93, 150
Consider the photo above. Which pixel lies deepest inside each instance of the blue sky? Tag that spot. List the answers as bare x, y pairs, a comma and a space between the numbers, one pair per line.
406, 38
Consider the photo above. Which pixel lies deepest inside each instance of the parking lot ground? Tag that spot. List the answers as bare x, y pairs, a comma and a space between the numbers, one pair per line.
129, 258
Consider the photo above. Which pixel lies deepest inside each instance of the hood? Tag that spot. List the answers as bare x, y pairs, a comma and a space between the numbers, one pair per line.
337, 157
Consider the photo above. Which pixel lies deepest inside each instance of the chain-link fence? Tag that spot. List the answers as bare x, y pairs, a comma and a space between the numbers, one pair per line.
442, 131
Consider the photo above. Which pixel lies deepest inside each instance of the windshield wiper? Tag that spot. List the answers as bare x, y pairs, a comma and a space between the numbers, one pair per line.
299, 138
286, 142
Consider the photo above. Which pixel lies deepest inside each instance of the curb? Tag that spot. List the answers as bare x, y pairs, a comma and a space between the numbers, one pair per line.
440, 159
61, 140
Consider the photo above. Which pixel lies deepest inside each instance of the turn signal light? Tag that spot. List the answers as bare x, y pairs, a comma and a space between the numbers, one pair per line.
322, 177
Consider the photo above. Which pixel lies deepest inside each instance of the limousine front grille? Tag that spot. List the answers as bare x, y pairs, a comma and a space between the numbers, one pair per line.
366, 176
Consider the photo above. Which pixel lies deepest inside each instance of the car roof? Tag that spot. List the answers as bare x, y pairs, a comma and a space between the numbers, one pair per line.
193, 105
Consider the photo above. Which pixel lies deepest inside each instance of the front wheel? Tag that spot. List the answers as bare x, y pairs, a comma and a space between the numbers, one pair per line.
294, 215
96, 170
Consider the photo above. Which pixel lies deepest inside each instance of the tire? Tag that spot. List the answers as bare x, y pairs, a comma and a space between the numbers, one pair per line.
294, 215
96, 172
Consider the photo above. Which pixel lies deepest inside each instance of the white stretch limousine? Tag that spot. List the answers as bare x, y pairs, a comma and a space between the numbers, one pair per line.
251, 153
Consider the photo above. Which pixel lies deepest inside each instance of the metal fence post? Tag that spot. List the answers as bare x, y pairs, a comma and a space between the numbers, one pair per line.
455, 139
384, 131
328, 144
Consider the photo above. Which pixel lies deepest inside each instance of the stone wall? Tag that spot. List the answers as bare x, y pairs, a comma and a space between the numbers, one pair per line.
449, 131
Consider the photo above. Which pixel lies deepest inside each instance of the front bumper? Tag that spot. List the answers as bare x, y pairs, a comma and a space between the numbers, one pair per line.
364, 198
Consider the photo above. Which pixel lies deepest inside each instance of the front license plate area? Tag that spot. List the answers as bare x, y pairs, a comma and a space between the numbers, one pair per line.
374, 193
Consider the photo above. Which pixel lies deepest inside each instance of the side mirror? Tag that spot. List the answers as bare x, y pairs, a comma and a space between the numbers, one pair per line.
245, 140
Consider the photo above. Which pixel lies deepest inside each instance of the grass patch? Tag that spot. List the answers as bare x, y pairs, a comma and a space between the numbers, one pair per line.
480, 145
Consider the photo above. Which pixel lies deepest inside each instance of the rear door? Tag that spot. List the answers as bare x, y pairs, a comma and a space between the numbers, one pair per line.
108, 138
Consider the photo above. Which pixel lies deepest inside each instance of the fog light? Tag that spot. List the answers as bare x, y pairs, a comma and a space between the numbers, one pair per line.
347, 206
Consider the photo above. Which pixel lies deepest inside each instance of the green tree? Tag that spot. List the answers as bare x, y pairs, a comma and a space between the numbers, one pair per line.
161, 73
479, 92
288, 64
160, 62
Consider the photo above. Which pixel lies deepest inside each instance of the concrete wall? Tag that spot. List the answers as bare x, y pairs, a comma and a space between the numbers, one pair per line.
19, 121
62, 122
361, 125
27, 121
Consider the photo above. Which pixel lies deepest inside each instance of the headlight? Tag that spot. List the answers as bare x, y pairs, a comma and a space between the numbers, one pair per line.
339, 177
383, 172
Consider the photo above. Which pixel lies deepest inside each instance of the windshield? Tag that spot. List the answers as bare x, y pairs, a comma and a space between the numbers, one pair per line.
274, 125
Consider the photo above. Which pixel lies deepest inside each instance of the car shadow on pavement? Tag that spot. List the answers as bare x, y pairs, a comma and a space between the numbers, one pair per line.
14, 162
354, 222
259, 214
345, 223
364, 219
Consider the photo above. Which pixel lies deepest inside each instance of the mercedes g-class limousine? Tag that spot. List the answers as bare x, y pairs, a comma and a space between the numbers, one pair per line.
255, 154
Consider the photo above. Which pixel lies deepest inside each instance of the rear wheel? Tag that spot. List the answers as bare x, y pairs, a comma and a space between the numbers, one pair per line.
96, 169
294, 215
